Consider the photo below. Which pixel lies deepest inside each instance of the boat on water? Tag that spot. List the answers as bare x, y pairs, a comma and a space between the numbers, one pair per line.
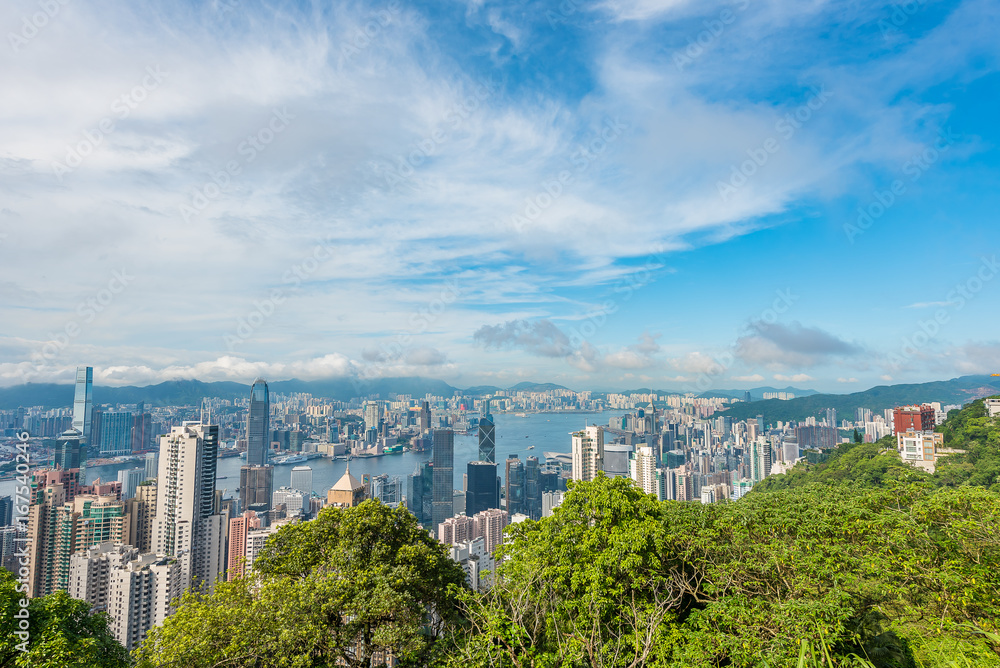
520, 415
531, 447
291, 459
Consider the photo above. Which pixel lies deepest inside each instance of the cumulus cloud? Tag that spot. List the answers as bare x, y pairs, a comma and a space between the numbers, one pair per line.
792, 345
537, 337
754, 378
797, 378
847, 380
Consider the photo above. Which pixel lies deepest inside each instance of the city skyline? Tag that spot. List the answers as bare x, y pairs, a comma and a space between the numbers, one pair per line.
630, 194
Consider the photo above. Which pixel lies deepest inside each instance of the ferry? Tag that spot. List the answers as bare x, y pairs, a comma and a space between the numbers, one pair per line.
291, 459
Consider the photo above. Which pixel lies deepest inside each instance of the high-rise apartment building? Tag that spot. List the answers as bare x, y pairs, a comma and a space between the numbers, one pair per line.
490, 525
136, 590
259, 424
58, 527
442, 490
141, 513
760, 459
186, 524
83, 401
487, 436
642, 469
588, 453
239, 528
456, 529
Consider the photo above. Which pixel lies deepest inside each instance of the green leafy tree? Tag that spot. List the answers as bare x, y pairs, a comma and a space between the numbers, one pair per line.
348, 588
62, 632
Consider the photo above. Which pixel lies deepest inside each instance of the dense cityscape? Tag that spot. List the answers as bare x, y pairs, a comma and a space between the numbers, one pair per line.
131, 547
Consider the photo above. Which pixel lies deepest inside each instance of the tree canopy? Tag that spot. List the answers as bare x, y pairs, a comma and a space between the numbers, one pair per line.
62, 632
348, 588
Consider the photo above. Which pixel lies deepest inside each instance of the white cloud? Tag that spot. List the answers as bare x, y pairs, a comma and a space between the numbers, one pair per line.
797, 378
753, 378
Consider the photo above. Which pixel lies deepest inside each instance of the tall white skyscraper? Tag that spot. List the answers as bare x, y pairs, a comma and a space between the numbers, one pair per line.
186, 526
588, 453
83, 402
643, 470
302, 479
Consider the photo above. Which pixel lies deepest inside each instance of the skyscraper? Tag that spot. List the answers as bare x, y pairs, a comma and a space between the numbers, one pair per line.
239, 527
483, 489
258, 424
256, 483
186, 526
424, 418
83, 401
487, 436
130, 479
116, 434
643, 470
302, 479
588, 453
514, 479
419, 493
70, 452
442, 491
532, 488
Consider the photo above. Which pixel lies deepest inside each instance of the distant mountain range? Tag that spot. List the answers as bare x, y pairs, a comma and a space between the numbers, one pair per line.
954, 391
756, 393
806, 403
191, 392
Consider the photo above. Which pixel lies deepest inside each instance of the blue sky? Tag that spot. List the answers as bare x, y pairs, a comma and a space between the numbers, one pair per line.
602, 194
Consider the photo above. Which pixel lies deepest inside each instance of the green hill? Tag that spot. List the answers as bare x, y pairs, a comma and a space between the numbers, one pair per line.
954, 391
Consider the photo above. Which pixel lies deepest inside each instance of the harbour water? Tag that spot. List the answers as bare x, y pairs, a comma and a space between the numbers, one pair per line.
547, 432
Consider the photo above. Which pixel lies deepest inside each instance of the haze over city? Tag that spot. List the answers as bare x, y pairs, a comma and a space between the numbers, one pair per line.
601, 195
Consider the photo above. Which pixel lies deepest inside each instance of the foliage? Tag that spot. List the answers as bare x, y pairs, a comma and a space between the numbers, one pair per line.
343, 589
616, 578
61, 631
978, 437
